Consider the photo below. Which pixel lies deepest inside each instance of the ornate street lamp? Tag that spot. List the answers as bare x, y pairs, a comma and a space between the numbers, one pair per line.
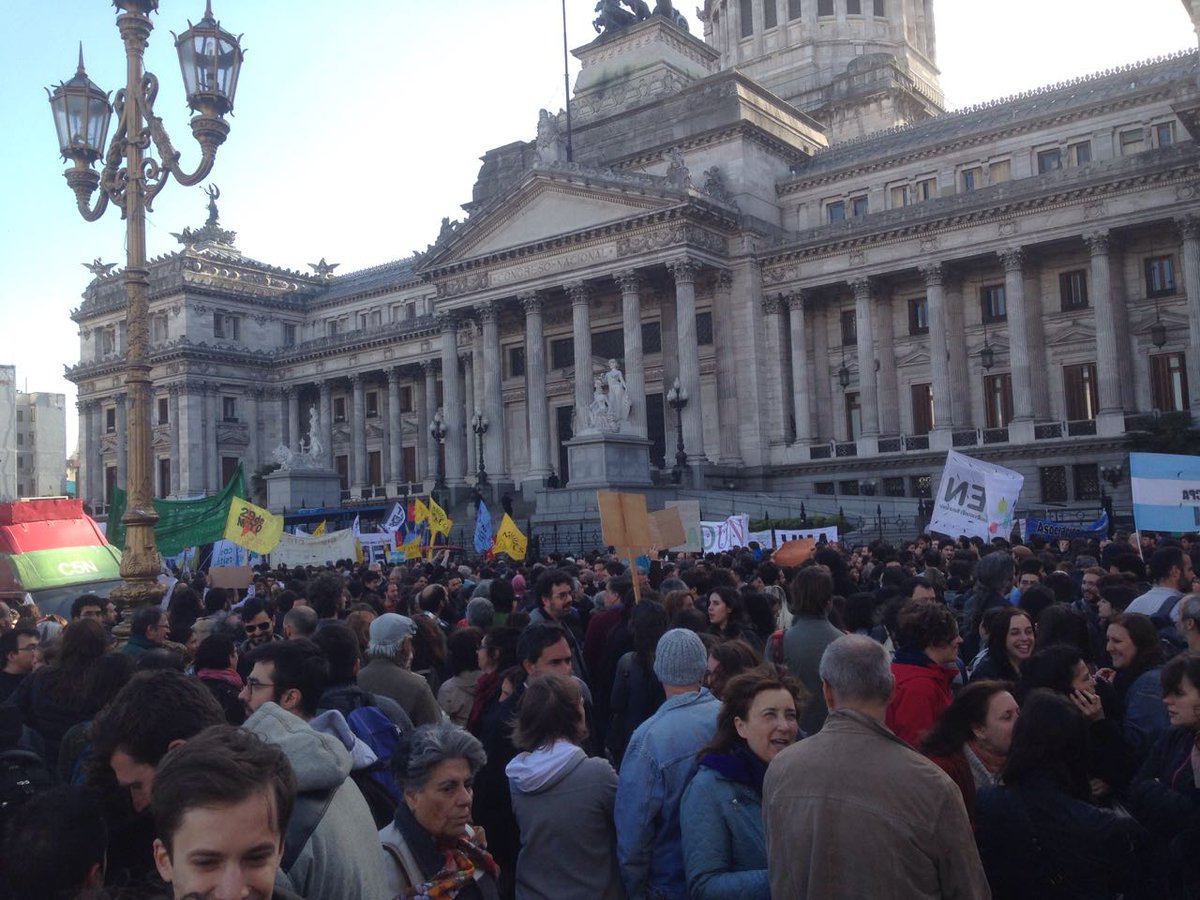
844, 372
437, 431
677, 399
131, 178
987, 356
479, 424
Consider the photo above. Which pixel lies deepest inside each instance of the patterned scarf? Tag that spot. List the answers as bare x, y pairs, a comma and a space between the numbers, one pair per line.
461, 859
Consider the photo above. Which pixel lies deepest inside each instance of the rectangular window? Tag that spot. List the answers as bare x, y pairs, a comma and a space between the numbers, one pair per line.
858, 206
824, 7
406, 399
516, 362
229, 465
899, 196
854, 7
218, 325
376, 318
164, 477
1087, 481
972, 179
849, 328
918, 316
651, 337
331, 328
893, 487
289, 335
372, 406
562, 353
20, 415
341, 465
609, 344
410, 311
1049, 161
229, 409
926, 189
704, 329
375, 467
836, 211
997, 400
826, 488
159, 328
993, 303
880, 12
110, 419
20, 440
1160, 276
1168, 382
1133, 141
1079, 390
747, 11
853, 418
164, 411
770, 14
1080, 154
922, 407
339, 409
794, 9
1072, 290
1164, 134
362, 321
849, 488
1054, 484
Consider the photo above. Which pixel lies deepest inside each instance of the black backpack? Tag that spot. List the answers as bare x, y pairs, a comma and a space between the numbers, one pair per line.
1173, 643
22, 774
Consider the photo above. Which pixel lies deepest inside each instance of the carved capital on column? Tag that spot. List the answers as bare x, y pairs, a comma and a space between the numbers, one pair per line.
773, 305
427, 366
797, 300
1013, 259
446, 322
325, 388
174, 389
532, 303
120, 399
723, 281
286, 391
393, 376
357, 380
579, 292
464, 360
861, 288
684, 271
628, 280
934, 274
1098, 242
488, 312
1189, 227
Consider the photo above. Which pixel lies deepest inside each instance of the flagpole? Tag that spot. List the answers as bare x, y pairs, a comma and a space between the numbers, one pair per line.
567, 84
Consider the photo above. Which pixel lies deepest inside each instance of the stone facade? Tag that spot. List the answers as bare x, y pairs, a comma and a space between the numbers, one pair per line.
41, 438
846, 281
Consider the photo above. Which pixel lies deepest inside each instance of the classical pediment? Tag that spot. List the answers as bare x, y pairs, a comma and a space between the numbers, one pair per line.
1076, 333
551, 205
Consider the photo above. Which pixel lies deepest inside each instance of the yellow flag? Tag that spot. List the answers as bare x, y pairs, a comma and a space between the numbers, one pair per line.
412, 548
509, 539
439, 522
319, 530
252, 527
420, 511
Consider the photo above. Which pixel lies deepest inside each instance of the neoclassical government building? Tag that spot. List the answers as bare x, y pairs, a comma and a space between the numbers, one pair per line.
846, 279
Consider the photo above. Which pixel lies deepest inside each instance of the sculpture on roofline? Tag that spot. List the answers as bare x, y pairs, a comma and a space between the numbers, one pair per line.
618, 14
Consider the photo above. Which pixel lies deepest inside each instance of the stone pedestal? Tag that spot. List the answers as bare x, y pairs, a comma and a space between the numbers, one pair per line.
609, 461
290, 489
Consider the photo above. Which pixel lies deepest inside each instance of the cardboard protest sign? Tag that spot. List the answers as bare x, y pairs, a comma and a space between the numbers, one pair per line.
238, 577
975, 498
624, 522
666, 528
689, 515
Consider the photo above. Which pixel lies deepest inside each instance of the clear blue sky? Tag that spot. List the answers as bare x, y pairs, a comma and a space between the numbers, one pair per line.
359, 126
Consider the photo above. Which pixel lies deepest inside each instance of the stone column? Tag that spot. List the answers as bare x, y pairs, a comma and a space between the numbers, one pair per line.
1018, 334
1189, 230
535, 389
939, 357
83, 475
956, 337
581, 329
452, 404
493, 395
253, 432
1110, 416
292, 436
684, 272
325, 411
212, 447
122, 440
802, 388
887, 377
868, 392
358, 431
395, 429
426, 409
173, 391
725, 339
828, 397
470, 404
635, 366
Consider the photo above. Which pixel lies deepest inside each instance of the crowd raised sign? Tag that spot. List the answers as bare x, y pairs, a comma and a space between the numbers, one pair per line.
975, 498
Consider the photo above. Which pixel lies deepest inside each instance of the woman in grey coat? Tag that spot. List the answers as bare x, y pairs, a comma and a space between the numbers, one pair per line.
563, 800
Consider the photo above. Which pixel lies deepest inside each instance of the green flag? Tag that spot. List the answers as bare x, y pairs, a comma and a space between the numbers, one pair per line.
181, 523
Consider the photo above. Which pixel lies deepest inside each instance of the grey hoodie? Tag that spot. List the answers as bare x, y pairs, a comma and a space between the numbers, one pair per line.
341, 860
564, 805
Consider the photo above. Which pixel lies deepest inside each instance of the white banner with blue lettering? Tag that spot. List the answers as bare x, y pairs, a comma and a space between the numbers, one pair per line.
975, 498
1166, 491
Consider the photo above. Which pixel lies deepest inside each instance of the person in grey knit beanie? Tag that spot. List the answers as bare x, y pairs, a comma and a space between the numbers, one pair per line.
680, 658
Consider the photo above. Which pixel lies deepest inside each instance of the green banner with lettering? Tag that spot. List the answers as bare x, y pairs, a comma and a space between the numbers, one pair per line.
181, 523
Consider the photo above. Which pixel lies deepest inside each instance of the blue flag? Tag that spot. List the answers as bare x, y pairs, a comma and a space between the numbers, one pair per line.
483, 528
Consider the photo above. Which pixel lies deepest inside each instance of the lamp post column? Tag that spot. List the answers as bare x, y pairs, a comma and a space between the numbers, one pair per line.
122, 403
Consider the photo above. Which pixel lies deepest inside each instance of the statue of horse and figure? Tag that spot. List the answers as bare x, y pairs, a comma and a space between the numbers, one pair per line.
618, 14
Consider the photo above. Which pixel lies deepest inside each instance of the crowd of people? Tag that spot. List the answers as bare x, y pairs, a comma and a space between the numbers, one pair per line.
950, 719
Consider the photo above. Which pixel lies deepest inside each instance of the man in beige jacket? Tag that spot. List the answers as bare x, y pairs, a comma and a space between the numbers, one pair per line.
853, 812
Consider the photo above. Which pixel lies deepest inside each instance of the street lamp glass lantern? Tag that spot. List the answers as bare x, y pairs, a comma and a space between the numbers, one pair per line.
210, 59
81, 117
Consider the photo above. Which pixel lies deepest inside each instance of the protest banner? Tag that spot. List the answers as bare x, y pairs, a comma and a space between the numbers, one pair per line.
1166, 491
295, 550
718, 537
828, 535
439, 522
975, 498
1095, 530
252, 527
510, 540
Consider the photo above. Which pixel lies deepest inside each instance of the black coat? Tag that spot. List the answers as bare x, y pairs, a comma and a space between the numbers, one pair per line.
1165, 799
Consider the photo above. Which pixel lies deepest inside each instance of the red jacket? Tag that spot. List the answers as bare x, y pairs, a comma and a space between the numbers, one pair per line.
922, 692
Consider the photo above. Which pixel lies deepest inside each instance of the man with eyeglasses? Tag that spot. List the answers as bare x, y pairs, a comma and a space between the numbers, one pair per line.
555, 595
259, 626
18, 649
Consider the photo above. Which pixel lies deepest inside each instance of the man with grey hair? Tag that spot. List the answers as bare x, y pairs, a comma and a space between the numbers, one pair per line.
388, 673
856, 785
1189, 621
299, 622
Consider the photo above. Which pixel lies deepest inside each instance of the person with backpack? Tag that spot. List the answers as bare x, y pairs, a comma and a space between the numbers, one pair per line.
1171, 571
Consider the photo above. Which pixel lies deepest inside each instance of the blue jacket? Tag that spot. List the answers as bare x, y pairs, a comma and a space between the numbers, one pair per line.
1145, 716
659, 761
724, 847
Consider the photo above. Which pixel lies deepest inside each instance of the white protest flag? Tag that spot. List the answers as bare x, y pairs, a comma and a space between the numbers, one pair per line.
719, 537
394, 520
975, 498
